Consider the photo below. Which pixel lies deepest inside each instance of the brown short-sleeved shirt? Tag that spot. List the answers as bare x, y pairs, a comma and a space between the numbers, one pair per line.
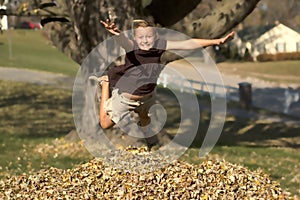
141, 70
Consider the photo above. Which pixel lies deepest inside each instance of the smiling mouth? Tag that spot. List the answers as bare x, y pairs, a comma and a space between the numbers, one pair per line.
145, 45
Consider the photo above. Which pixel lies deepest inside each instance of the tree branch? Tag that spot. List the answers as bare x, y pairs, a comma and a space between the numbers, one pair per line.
168, 12
220, 20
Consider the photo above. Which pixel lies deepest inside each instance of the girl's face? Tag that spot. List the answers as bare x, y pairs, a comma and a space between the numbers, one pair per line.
145, 37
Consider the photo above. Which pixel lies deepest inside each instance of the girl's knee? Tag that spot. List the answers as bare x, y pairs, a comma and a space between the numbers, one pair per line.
106, 123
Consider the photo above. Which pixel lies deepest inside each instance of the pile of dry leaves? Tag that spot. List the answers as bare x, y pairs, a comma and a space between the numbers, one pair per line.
177, 180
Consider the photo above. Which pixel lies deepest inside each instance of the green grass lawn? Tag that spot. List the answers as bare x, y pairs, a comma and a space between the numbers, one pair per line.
32, 117
31, 49
34, 121
281, 71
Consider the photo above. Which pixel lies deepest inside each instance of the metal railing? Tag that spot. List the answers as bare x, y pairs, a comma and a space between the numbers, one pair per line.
190, 86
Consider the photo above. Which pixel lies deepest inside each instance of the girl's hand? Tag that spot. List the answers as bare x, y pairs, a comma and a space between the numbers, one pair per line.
228, 37
110, 27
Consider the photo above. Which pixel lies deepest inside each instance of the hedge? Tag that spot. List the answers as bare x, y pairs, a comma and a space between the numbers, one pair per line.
278, 57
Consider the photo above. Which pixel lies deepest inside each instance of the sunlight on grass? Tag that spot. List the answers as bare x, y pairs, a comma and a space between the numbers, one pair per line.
32, 118
281, 71
35, 120
31, 49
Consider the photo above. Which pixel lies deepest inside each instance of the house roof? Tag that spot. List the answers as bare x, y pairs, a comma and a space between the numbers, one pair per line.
254, 32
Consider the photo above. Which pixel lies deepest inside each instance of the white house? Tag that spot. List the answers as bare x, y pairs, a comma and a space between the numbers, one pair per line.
271, 39
3, 20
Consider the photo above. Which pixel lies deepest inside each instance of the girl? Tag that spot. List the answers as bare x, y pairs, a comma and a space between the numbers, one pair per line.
134, 82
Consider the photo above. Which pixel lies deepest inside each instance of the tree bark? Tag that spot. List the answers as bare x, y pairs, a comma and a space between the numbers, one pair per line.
79, 36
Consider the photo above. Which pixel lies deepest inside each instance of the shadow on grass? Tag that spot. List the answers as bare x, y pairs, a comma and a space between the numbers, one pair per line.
30, 111
257, 128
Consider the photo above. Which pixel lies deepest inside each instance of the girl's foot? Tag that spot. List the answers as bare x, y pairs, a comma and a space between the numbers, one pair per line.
99, 80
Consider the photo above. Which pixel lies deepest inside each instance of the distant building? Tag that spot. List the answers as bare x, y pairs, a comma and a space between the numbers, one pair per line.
3, 20
271, 39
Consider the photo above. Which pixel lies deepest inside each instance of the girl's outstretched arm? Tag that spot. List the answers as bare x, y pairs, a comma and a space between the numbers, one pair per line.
195, 43
121, 39
110, 27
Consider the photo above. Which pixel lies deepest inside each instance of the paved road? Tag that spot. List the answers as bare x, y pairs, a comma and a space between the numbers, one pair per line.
37, 77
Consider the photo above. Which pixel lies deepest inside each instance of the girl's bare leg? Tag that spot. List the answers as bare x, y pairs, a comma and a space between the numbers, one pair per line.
144, 121
105, 120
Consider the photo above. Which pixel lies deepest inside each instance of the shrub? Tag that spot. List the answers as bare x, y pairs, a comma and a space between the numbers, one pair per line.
278, 57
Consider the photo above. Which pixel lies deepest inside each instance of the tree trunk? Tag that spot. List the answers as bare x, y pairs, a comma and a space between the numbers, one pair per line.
84, 31
74, 28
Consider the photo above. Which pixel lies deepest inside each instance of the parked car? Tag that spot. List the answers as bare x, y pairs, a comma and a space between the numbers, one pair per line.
30, 25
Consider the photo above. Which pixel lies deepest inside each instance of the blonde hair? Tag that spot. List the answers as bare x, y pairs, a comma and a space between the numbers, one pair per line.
141, 23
